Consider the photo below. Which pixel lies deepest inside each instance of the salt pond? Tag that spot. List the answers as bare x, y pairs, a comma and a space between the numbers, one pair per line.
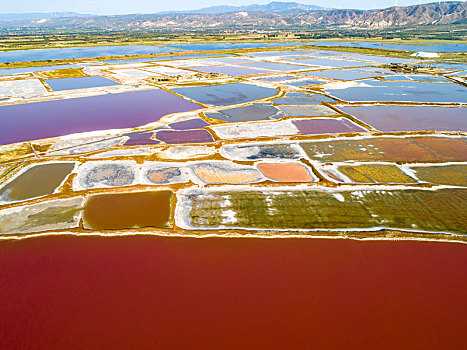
32, 121
227, 94
401, 118
79, 52
79, 83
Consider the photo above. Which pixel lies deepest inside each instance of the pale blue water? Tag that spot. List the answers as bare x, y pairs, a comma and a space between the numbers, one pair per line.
403, 91
79, 83
79, 52
399, 47
228, 94
154, 59
225, 46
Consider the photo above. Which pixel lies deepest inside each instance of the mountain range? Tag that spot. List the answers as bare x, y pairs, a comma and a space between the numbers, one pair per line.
275, 15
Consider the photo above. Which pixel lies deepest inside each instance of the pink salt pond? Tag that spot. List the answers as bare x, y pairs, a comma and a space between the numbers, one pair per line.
184, 136
140, 138
326, 126
190, 124
286, 172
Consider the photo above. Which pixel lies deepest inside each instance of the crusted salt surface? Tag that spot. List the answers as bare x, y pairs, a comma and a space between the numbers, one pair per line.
255, 130
261, 151
169, 71
54, 215
90, 147
163, 173
187, 152
21, 87
218, 172
125, 152
102, 174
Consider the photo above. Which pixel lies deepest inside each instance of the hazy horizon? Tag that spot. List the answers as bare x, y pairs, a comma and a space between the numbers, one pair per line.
116, 7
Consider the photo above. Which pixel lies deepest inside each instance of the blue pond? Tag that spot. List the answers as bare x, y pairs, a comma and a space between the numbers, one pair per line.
154, 59
226, 46
228, 94
402, 91
399, 47
79, 52
79, 83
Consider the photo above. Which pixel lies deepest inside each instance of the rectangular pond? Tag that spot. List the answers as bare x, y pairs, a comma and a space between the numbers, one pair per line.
275, 293
399, 91
79, 52
38, 120
233, 71
227, 94
402, 118
79, 83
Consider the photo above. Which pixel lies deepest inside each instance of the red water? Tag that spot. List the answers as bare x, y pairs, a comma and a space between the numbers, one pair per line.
148, 292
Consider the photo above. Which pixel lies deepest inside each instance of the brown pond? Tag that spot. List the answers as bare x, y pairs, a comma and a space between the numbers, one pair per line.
145, 292
37, 181
128, 210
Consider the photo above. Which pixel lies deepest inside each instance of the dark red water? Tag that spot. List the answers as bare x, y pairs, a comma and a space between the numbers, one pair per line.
33, 121
149, 292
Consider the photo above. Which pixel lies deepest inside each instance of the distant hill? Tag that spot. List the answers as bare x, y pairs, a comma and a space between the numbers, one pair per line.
275, 15
37, 15
274, 6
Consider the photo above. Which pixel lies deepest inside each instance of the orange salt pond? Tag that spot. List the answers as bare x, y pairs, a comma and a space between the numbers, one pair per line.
224, 172
128, 210
286, 172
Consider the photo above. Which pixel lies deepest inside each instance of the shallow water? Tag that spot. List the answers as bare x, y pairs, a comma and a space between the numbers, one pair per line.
128, 210
226, 46
40, 180
257, 111
32, 121
276, 66
233, 71
228, 94
326, 126
399, 118
79, 52
342, 74
79, 83
402, 91
184, 136
399, 47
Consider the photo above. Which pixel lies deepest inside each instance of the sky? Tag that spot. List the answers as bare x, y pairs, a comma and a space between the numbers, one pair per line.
110, 7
